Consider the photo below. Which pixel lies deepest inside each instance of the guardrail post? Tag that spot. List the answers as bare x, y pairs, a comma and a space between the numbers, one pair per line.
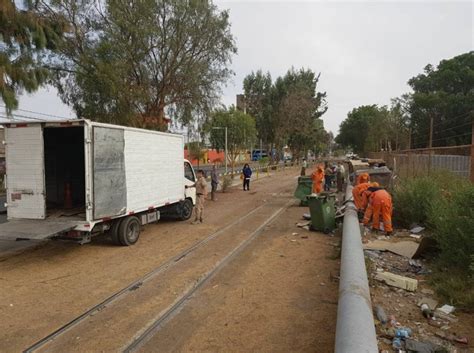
355, 330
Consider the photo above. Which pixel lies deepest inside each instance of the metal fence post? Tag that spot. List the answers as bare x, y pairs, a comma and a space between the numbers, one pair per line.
355, 330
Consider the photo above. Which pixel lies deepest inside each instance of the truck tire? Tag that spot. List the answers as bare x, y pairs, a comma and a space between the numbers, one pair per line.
114, 231
185, 210
129, 231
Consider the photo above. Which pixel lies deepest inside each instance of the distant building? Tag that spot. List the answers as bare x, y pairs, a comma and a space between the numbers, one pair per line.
241, 103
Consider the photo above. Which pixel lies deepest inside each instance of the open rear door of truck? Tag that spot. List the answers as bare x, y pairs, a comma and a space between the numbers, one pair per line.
34, 229
25, 171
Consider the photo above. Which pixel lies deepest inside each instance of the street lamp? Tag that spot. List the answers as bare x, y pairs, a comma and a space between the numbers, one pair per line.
225, 151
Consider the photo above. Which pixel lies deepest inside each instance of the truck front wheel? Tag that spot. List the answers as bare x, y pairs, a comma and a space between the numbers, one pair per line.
129, 231
185, 210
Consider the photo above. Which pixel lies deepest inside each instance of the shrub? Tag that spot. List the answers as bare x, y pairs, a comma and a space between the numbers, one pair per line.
412, 199
451, 219
445, 204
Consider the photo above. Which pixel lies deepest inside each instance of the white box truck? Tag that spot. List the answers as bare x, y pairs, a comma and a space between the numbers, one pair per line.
77, 178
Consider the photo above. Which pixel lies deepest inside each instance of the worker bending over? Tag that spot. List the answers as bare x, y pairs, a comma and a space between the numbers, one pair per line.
357, 192
317, 177
363, 178
379, 204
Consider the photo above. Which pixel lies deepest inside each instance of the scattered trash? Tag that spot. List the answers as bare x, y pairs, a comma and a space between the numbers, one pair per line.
393, 321
427, 291
305, 227
397, 343
417, 229
307, 216
380, 313
452, 338
431, 303
446, 309
422, 347
403, 332
426, 311
303, 224
416, 236
403, 248
372, 254
398, 281
294, 233
304, 237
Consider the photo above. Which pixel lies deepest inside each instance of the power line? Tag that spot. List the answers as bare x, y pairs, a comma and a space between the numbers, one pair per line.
18, 116
43, 114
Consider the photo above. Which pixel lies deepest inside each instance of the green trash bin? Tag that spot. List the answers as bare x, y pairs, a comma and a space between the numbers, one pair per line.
323, 214
304, 188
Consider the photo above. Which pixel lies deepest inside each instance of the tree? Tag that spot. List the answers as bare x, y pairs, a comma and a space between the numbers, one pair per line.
286, 109
241, 131
373, 128
258, 90
195, 151
27, 35
132, 63
446, 95
354, 130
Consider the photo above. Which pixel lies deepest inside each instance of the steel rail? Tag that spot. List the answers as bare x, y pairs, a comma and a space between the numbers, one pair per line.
146, 335
355, 330
136, 284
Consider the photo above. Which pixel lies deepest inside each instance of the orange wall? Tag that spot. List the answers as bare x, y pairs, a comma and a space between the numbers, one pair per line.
212, 155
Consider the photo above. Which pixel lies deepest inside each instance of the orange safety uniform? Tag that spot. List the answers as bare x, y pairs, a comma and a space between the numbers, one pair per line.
365, 195
380, 202
357, 194
363, 178
317, 177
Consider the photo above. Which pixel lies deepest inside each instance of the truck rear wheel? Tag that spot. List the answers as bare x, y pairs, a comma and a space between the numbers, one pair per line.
185, 210
129, 231
114, 231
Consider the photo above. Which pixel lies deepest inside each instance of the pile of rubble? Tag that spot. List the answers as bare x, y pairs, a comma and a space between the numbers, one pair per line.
408, 317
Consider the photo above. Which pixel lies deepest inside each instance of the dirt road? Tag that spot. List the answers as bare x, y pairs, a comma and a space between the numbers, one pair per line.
275, 295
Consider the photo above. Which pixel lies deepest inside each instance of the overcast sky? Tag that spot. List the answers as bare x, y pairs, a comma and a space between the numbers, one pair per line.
365, 51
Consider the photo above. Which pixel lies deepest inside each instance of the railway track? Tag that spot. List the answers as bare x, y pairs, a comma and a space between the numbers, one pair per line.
174, 309
141, 338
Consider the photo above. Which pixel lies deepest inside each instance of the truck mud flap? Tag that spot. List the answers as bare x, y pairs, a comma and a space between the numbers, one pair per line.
33, 229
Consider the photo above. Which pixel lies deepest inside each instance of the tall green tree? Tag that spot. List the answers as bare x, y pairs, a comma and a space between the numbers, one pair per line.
27, 34
373, 128
354, 130
445, 94
134, 63
241, 131
258, 94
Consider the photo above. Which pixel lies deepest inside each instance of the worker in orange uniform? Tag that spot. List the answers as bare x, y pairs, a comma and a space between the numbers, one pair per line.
380, 202
363, 178
365, 195
317, 177
357, 192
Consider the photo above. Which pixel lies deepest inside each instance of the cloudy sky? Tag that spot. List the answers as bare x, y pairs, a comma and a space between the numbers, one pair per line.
365, 51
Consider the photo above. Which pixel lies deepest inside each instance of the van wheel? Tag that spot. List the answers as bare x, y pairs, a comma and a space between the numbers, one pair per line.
185, 210
129, 231
114, 230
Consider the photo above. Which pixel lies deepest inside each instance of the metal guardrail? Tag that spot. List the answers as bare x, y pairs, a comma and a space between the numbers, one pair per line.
355, 330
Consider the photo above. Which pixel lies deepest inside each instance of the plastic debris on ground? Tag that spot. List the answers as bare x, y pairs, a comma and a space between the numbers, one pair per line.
409, 320
417, 229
